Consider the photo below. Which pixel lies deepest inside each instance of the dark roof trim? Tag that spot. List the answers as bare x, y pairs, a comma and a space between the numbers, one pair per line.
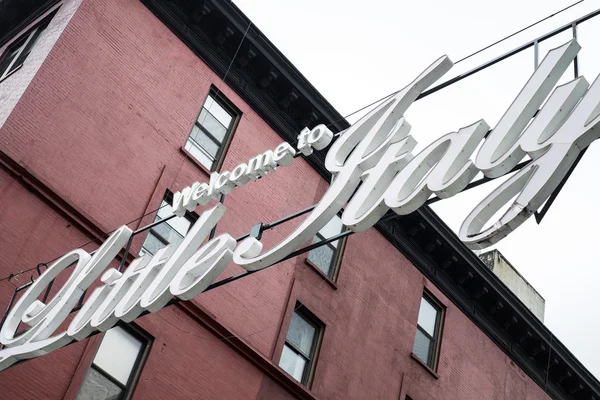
527, 340
282, 64
16, 15
262, 76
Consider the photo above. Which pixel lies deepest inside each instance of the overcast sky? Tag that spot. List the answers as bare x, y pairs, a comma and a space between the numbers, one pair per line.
354, 52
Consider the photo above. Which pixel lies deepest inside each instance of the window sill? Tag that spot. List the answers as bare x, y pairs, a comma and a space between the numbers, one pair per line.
197, 163
422, 364
318, 271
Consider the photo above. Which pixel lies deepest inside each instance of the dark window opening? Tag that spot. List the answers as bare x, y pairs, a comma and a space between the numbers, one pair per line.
116, 365
327, 257
299, 351
212, 130
169, 232
429, 326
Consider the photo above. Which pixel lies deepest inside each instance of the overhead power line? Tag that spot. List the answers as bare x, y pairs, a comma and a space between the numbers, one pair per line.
463, 59
13, 275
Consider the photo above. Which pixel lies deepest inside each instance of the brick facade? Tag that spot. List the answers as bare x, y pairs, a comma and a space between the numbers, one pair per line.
92, 138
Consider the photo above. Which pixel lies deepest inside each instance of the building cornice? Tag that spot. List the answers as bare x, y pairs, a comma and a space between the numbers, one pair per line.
438, 253
278, 92
261, 75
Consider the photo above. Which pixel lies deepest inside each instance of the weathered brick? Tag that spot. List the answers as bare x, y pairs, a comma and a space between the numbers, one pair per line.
101, 123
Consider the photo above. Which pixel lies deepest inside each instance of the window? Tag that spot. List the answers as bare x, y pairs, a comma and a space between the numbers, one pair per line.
427, 339
212, 131
116, 365
299, 350
327, 257
15, 55
169, 232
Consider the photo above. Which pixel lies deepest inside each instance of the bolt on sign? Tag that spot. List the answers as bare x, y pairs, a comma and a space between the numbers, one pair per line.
375, 153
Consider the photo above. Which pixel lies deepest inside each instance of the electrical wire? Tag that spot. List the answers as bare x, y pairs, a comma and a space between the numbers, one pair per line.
461, 60
13, 275
225, 337
217, 92
519, 31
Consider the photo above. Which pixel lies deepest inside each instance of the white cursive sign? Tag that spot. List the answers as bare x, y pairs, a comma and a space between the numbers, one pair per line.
373, 170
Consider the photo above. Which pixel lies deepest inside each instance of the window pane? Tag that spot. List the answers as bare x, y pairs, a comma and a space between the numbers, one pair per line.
219, 112
211, 124
199, 155
292, 363
422, 347
118, 353
201, 140
301, 334
333, 227
427, 317
179, 225
166, 232
152, 244
322, 256
144, 251
172, 229
165, 210
96, 386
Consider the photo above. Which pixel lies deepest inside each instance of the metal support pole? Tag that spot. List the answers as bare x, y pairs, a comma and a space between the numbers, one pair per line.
575, 61
509, 54
122, 265
214, 229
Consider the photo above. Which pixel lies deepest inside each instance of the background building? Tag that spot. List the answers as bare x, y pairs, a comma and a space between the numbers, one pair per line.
108, 107
507, 273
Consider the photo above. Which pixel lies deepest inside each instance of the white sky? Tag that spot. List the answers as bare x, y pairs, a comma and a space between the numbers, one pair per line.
354, 52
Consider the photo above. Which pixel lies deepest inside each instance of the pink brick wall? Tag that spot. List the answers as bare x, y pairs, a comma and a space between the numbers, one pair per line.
102, 124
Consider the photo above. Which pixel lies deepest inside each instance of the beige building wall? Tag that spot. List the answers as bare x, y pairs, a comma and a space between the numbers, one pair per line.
515, 282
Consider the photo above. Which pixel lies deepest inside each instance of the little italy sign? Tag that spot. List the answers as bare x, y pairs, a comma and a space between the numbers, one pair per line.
373, 171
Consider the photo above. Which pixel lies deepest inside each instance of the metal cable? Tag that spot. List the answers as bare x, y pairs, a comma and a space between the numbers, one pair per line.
80, 246
462, 59
218, 91
12, 275
225, 337
519, 31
